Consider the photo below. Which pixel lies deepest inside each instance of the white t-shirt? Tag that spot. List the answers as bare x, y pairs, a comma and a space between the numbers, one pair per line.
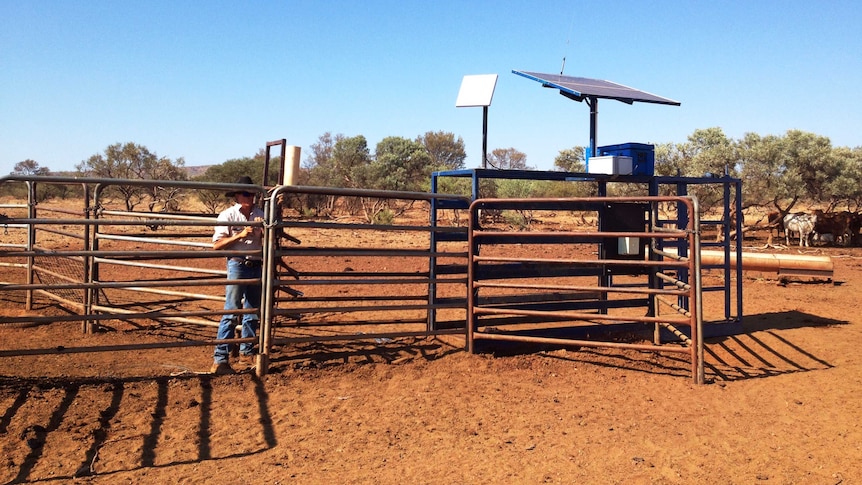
233, 214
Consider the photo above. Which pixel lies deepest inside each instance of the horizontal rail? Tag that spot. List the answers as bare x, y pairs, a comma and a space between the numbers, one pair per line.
62, 233
167, 242
329, 251
136, 255
603, 289
60, 210
378, 227
187, 269
123, 222
162, 216
72, 303
156, 291
577, 315
364, 336
368, 308
39, 269
585, 262
370, 281
565, 235
579, 343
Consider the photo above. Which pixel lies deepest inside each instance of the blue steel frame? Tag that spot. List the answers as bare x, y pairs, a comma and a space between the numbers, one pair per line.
732, 196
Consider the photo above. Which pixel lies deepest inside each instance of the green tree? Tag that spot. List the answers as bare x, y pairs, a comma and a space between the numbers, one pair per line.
847, 186
670, 159
317, 167
810, 156
350, 163
710, 153
30, 167
446, 152
508, 159
517, 189
400, 164
707, 153
120, 161
761, 160
227, 172
231, 170
164, 169
316, 163
571, 160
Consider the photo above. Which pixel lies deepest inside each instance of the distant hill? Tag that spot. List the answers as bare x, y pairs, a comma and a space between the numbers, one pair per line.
196, 170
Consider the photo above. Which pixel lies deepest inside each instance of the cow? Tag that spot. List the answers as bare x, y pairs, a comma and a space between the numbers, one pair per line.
800, 223
774, 221
842, 226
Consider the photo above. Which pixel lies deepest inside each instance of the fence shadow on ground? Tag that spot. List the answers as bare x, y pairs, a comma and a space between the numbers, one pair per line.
67, 406
320, 354
762, 350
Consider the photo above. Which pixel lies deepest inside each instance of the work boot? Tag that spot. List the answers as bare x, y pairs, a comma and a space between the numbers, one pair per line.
221, 369
246, 361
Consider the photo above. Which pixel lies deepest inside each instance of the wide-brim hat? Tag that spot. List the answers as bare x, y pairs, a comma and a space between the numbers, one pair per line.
245, 180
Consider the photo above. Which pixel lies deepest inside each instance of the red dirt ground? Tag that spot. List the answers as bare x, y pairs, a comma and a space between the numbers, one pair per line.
782, 406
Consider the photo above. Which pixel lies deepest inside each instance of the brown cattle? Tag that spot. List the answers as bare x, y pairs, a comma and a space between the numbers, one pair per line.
843, 226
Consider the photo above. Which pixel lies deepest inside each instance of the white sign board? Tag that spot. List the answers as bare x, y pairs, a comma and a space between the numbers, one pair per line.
476, 90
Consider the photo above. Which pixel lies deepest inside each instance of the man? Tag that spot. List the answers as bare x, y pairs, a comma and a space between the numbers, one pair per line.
239, 238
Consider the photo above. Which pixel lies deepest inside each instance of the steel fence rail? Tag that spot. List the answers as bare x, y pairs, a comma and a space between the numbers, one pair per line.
643, 263
442, 272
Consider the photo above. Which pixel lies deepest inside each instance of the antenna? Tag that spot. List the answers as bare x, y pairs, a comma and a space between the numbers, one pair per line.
566, 48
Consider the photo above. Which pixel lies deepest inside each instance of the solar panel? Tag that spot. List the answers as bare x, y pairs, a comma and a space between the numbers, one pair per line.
578, 88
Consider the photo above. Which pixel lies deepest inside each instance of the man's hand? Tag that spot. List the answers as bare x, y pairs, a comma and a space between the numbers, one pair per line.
249, 230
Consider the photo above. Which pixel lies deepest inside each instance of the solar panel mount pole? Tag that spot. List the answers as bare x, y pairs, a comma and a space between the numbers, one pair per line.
593, 103
484, 137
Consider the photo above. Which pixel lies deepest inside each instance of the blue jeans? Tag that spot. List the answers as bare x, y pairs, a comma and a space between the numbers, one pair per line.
238, 296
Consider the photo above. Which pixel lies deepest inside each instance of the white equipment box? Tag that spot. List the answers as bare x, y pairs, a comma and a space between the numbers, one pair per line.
610, 165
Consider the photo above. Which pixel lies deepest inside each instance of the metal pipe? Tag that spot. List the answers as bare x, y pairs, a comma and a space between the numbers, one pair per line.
185, 269
580, 343
31, 242
585, 262
168, 242
162, 216
697, 327
375, 227
199, 296
370, 281
62, 233
360, 308
679, 309
575, 315
683, 337
364, 336
674, 281
37, 268
568, 235
136, 254
607, 289
119, 222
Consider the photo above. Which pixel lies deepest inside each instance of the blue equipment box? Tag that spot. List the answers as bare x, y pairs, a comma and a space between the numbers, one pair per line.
642, 155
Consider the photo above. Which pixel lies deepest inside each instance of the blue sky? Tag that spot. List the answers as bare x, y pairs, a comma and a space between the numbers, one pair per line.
211, 81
